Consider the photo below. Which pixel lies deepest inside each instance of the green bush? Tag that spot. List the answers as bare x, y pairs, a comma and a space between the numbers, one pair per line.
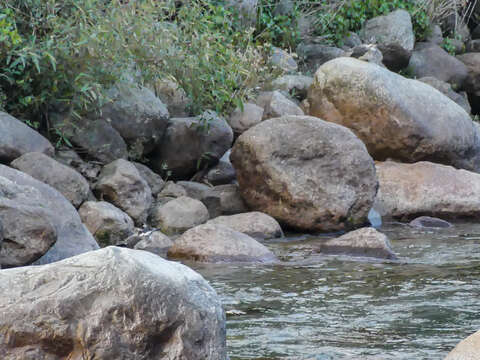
67, 53
335, 19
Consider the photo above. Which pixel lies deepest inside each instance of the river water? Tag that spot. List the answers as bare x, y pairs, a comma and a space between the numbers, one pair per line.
318, 307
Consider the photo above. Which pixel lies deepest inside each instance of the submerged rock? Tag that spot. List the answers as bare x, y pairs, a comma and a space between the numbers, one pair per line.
429, 222
218, 243
113, 303
366, 242
307, 173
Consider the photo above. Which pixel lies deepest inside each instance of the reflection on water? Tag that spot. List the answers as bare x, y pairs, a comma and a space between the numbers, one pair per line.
315, 307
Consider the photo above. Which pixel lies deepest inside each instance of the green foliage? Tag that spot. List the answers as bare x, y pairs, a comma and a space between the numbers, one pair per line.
68, 53
337, 19
275, 28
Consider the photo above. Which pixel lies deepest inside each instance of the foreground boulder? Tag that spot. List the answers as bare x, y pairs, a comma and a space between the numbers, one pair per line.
179, 215
17, 139
107, 223
217, 243
307, 173
255, 224
121, 184
366, 242
191, 142
66, 180
100, 306
395, 117
410, 190
467, 349
30, 211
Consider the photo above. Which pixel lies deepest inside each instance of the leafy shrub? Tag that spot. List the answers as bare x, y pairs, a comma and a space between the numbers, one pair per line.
67, 53
335, 19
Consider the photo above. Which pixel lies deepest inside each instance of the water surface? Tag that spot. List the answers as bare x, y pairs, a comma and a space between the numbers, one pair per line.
322, 307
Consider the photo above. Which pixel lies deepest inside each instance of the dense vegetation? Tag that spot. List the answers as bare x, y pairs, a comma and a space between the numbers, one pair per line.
57, 53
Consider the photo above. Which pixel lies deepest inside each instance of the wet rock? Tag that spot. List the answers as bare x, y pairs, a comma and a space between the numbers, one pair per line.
281, 165
224, 200
173, 190
66, 180
276, 104
431, 60
179, 215
107, 223
366, 242
254, 224
446, 89
410, 190
154, 181
155, 242
394, 28
101, 304
283, 60
218, 243
395, 117
121, 184
138, 115
429, 222
296, 85
243, 119
96, 139
467, 349
191, 143
16, 139
36, 203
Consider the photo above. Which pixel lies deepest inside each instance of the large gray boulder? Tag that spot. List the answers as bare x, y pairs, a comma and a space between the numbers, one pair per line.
95, 138
217, 243
17, 139
467, 349
190, 143
121, 184
365, 242
432, 60
395, 117
446, 89
30, 210
155, 242
410, 190
113, 303
394, 28
66, 180
255, 224
179, 215
244, 118
275, 104
153, 180
107, 223
307, 173
138, 115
